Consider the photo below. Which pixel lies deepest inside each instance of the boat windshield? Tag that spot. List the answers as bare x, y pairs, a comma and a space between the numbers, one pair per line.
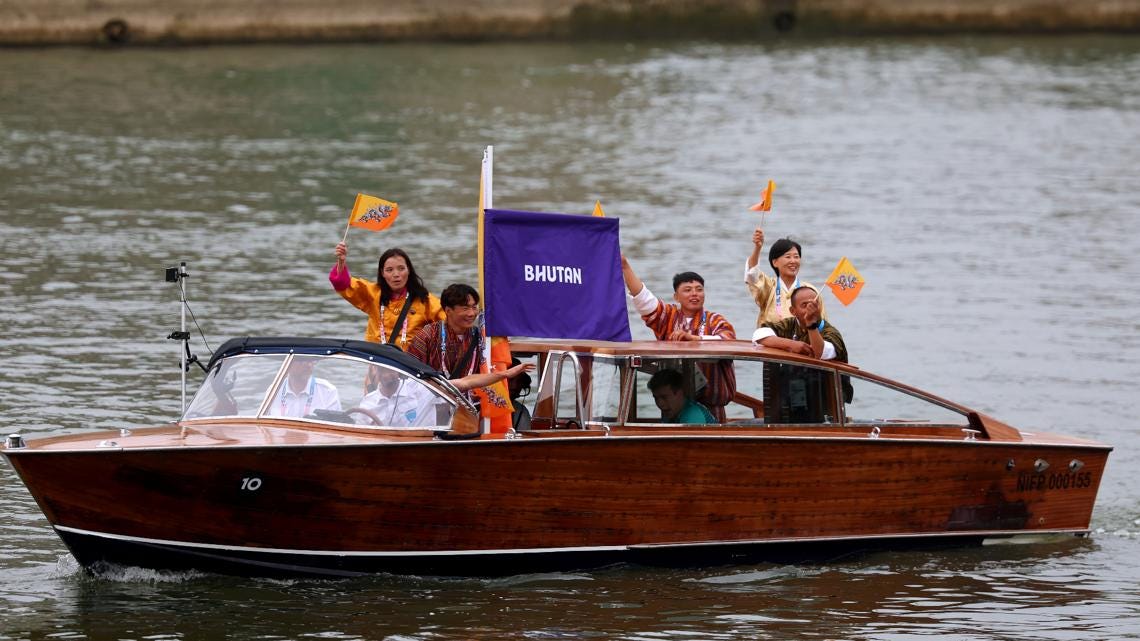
331, 389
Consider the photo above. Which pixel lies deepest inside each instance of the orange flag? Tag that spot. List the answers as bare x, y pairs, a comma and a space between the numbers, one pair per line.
845, 281
765, 203
598, 209
373, 213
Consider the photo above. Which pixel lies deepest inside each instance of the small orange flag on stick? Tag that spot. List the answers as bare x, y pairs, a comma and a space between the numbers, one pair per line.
845, 281
372, 213
765, 203
598, 209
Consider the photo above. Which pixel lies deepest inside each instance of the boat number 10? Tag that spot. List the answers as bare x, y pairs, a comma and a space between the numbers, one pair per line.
250, 484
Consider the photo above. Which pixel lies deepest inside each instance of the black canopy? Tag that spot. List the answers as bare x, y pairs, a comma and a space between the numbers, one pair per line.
322, 346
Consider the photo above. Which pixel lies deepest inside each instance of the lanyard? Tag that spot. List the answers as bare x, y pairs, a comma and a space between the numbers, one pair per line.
443, 350
780, 286
308, 401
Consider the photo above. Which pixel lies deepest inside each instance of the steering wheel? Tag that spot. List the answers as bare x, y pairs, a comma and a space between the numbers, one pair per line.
369, 413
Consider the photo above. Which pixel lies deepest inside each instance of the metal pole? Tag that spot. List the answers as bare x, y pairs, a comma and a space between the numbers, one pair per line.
185, 341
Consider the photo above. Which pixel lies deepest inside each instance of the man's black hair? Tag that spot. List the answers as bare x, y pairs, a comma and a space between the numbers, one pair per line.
670, 377
687, 277
456, 294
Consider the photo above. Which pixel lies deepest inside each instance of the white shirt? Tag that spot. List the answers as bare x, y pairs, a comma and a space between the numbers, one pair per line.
411, 405
319, 394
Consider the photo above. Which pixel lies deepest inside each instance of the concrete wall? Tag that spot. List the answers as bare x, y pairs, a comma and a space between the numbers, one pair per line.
156, 22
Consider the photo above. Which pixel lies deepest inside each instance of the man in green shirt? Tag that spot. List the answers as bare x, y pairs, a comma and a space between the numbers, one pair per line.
668, 388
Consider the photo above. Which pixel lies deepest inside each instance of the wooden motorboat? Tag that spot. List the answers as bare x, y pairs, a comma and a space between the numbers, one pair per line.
813, 457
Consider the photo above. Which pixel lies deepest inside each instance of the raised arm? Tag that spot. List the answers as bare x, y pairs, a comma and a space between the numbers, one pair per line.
757, 245
338, 275
808, 317
632, 282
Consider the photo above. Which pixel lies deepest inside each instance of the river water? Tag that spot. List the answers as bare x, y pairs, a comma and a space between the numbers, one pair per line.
984, 187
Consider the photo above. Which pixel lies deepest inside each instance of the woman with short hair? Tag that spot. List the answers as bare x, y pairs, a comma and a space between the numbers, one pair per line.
773, 295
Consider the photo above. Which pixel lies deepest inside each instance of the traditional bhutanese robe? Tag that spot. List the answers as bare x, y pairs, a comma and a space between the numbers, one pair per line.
663, 319
772, 296
494, 400
425, 345
365, 296
790, 328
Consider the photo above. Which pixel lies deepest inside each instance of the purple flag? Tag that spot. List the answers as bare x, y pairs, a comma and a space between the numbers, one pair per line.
553, 276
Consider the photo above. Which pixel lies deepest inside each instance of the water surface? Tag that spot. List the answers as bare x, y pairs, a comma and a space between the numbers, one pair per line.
985, 188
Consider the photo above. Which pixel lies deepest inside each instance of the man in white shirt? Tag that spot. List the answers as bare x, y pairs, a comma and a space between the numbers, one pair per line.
399, 401
302, 392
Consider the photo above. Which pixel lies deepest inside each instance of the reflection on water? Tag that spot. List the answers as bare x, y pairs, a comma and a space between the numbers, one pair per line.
985, 188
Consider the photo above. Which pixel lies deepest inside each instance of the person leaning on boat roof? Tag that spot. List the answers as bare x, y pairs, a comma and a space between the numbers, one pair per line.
301, 393
806, 332
668, 389
398, 304
452, 345
688, 320
771, 294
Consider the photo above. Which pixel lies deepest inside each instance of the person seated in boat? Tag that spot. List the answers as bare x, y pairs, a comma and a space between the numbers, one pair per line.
519, 386
805, 332
398, 400
301, 393
454, 346
771, 294
688, 320
668, 389
398, 304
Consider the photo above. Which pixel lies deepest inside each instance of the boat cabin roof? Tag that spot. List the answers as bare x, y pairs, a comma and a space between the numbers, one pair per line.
322, 347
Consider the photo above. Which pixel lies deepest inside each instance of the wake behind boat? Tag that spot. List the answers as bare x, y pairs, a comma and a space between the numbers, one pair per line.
813, 457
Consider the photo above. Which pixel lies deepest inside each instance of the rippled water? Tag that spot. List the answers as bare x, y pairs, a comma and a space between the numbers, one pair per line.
985, 188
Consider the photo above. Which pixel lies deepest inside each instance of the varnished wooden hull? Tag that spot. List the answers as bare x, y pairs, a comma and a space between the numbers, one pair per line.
495, 506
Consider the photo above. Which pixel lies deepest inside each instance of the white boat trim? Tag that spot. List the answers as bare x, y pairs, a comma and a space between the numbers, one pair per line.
603, 548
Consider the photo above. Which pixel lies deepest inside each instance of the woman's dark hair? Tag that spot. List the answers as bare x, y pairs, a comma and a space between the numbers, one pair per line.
456, 294
781, 247
416, 288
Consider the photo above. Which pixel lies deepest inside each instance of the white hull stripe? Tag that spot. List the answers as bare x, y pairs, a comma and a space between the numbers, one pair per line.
604, 548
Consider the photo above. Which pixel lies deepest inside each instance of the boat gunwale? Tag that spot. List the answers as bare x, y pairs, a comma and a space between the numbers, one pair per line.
584, 436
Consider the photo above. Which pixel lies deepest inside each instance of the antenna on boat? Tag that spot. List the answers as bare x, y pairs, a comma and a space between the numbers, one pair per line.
179, 275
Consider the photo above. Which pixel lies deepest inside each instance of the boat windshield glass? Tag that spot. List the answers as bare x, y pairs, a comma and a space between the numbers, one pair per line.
335, 389
748, 391
236, 387
703, 381
875, 403
569, 378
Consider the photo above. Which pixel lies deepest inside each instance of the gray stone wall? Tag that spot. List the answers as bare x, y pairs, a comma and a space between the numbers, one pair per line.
159, 22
